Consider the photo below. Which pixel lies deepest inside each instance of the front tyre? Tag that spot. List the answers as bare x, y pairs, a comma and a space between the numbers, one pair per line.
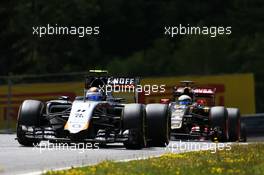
218, 117
28, 115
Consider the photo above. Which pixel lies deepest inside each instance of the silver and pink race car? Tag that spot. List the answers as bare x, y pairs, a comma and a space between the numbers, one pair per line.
96, 117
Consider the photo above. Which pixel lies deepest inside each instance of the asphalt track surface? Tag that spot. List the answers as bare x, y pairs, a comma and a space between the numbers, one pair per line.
16, 159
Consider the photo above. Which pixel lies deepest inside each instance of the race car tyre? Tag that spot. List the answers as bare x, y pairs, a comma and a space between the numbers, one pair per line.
134, 120
158, 124
243, 133
234, 124
218, 118
28, 115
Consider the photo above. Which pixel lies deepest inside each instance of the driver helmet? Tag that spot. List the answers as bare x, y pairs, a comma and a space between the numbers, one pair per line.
94, 94
185, 100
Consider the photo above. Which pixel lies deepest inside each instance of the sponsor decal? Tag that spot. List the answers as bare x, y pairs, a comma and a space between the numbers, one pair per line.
121, 81
203, 91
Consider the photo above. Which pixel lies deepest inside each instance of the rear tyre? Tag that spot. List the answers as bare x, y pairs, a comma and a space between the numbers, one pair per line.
29, 115
243, 133
158, 124
134, 119
218, 117
234, 124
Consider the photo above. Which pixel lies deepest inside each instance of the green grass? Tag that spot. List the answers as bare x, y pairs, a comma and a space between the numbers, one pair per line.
241, 159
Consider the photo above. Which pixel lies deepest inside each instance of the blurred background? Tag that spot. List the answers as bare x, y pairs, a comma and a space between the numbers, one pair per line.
131, 42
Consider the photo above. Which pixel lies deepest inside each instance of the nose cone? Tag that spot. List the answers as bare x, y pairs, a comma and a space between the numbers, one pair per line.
80, 116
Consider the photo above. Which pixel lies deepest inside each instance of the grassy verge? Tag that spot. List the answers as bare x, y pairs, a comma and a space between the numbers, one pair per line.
243, 159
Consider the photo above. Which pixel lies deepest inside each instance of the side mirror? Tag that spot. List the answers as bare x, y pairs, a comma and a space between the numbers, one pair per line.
64, 98
165, 101
119, 100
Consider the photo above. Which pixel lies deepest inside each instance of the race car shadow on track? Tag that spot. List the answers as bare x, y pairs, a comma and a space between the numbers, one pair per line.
83, 146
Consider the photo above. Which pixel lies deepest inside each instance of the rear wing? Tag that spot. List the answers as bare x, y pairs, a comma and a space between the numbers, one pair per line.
195, 93
122, 84
204, 92
100, 81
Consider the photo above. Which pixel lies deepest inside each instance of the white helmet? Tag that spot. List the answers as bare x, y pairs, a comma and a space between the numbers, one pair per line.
185, 100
